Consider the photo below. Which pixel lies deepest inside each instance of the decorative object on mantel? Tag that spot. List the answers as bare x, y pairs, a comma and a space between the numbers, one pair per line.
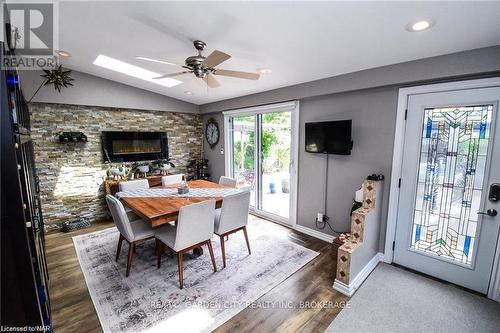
164, 165
75, 224
117, 172
198, 168
71, 137
142, 168
57, 77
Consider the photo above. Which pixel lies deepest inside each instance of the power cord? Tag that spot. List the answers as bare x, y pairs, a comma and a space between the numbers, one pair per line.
325, 219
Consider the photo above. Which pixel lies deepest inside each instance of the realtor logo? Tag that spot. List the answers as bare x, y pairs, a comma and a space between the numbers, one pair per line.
32, 34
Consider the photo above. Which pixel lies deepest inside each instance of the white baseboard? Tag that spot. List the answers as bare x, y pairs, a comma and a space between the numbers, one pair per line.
350, 289
314, 233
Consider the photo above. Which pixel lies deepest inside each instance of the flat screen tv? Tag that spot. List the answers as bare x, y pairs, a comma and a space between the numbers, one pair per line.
329, 137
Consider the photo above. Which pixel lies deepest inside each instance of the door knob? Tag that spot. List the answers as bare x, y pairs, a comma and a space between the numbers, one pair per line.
489, 212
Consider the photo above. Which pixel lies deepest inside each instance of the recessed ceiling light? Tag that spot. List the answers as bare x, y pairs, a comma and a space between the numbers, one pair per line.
265, 71
63, 53
155, 60
187, 92
419, 26
135, 71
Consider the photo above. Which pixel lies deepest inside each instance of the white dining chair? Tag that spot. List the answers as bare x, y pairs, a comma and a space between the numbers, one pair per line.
133, 185
172, 179
227, 181
134, 232
232, 217
194, 228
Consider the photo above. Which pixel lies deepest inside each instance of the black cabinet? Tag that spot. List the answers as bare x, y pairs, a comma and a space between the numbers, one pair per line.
24, 277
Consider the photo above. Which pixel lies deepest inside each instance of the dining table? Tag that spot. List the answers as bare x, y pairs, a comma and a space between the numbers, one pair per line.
159, 210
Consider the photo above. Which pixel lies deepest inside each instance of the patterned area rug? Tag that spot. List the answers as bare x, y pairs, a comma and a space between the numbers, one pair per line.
150, 300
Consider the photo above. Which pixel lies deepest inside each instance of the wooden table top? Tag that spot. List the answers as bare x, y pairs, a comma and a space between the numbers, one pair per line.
161, 210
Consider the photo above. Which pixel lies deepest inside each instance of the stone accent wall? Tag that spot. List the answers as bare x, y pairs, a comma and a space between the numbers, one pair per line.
71, 174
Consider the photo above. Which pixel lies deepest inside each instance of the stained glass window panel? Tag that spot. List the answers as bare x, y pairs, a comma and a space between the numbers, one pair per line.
453, 150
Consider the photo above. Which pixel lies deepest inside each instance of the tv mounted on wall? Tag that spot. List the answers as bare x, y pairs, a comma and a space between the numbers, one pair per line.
329, 137
125, 146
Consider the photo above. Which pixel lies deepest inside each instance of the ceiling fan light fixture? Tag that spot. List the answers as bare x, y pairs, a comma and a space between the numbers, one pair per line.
265, 71
134, 71
420, 25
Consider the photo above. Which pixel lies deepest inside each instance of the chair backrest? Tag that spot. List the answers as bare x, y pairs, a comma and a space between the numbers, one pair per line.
133, 185
195, 224
120, 217
171, 179
227, 181
234, 212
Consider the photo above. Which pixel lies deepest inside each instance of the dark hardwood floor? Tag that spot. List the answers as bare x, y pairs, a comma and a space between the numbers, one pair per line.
283, 309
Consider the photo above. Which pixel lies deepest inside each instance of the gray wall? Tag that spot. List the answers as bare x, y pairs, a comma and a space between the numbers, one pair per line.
373, 121
369, 98
216, 160
95, 91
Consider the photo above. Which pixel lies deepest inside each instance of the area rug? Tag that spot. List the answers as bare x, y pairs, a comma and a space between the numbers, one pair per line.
150, 300
395, 300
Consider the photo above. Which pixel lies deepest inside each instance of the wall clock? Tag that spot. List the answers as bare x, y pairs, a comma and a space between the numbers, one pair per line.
212, 133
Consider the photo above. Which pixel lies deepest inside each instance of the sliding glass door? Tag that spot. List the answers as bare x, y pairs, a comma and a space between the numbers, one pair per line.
274, 171
243, 152
260, 155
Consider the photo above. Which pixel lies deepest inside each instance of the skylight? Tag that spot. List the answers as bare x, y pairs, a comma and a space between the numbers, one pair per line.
132, 70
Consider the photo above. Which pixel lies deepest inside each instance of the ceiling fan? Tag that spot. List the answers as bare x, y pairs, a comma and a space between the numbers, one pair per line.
204, 67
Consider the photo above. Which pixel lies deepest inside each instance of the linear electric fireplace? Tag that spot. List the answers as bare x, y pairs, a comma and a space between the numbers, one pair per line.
134, 146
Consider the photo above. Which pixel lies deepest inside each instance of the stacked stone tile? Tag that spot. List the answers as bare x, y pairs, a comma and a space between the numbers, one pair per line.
71, 174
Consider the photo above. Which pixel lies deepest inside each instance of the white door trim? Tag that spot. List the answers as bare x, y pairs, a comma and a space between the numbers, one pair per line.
397, 159
294, 107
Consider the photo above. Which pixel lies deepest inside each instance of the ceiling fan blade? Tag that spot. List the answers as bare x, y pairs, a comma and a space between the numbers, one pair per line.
238, 74
215, 58
171, 75
157, 61
211, 81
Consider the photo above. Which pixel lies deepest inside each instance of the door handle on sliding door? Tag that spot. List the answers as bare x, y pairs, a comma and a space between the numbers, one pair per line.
489, 212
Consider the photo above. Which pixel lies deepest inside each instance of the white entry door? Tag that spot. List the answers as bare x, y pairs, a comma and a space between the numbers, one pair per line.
451, 158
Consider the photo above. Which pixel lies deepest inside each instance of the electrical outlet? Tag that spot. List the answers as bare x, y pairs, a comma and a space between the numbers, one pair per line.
320, 217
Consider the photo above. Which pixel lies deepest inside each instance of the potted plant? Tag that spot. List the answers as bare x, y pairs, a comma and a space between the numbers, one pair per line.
164, 165
142, 167
285, 185
272, 187
116, 171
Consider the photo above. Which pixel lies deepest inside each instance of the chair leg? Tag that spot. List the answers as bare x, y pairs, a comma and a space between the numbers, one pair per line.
211, 250
246, 238
223, 250
158, 253
120, 240
131, 247
179, 267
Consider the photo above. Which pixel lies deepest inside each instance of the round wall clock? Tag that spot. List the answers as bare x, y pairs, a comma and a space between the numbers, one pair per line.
212, 133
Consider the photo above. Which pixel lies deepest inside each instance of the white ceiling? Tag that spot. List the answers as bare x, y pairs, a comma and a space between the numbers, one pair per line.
298, 41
